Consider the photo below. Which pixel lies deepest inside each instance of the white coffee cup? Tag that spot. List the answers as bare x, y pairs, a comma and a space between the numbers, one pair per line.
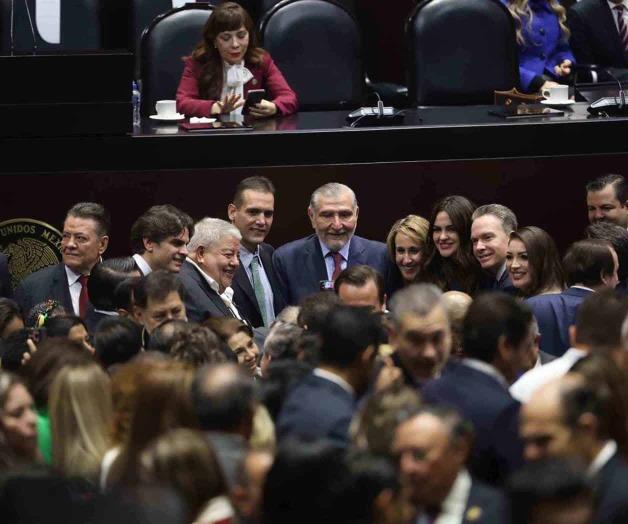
166, 108
556, 94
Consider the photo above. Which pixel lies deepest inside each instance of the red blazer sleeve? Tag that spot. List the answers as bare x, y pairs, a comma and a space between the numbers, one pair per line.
189, 102
280, 93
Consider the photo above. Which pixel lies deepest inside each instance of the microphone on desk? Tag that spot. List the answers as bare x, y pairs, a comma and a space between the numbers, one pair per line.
610, 105
378, 111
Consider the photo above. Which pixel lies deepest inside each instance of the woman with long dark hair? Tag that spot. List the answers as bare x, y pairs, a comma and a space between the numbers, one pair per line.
449, 260
533, 262
226, 65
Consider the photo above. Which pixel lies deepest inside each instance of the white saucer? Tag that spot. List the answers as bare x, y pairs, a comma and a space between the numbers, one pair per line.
174, 118
558, 102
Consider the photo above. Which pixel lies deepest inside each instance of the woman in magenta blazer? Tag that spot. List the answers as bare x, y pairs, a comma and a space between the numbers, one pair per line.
226, 65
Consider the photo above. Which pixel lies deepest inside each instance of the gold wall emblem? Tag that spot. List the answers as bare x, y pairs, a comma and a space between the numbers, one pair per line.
30, 245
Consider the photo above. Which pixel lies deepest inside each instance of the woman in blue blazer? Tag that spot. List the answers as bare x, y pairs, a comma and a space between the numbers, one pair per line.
543, 38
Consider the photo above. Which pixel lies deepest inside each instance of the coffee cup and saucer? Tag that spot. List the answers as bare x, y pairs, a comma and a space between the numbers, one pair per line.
557, 96
167, 111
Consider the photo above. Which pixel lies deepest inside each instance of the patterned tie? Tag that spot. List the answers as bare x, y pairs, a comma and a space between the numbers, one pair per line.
83, 297
337, 265
258, 288
621, 26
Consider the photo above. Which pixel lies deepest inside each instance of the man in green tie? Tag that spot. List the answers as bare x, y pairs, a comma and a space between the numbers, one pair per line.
256, 288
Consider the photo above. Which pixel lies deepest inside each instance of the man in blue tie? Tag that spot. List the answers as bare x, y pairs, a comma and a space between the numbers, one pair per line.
307, 265
256, 288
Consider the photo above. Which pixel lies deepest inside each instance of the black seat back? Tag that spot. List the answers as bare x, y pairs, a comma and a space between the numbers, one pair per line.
165, 42
460, 52
316, 45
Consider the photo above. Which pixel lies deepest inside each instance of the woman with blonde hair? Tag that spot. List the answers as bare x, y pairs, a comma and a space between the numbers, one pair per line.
406, 243
543, 38
80, 417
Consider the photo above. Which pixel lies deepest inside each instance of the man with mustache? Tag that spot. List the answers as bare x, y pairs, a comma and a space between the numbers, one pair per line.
208, 272
310, 264
159, 239
85, 238
256, 288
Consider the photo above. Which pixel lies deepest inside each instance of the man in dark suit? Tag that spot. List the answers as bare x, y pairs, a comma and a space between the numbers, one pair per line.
256, 288
310, 264
553, 490
157, 298
497, 337
589, 265
6, 290
490, 233
419, 333
432, 447
571, 418
595, 37
159, 239
224, 401
323, 403
85, 239
208, 272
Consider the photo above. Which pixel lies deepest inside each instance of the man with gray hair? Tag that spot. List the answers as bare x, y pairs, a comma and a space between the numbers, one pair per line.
490, 232
208, 272
311, 264
419, 333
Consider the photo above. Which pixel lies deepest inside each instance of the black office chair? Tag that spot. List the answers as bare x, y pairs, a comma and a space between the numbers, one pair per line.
79, 28
460, 52
266, 5
143, 12
317, 46
165, 42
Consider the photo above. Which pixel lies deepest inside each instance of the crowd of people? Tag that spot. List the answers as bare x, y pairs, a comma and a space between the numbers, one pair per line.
459, 372
228, 62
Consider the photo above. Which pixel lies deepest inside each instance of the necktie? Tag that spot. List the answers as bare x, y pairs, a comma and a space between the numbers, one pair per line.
337, 257
621, 26
258, 288
83, 297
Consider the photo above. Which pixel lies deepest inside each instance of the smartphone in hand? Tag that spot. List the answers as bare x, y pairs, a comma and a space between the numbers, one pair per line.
254, 96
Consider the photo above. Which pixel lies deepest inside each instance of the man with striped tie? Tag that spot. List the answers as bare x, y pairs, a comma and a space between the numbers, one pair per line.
599, 33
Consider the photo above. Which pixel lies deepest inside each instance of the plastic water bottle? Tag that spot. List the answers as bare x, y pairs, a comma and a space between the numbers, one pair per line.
136, 100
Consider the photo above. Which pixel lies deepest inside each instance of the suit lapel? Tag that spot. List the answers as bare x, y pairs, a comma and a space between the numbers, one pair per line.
60, 288
242, 281
609, 28
356, 250
211, 294
314, 259
266, 254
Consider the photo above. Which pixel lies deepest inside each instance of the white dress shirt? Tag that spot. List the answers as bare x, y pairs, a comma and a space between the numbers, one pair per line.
75, 289
455, 504
535, 378
336, 379
143, 266
486, 368
602, 458
329, 261
611, 5
226, 295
